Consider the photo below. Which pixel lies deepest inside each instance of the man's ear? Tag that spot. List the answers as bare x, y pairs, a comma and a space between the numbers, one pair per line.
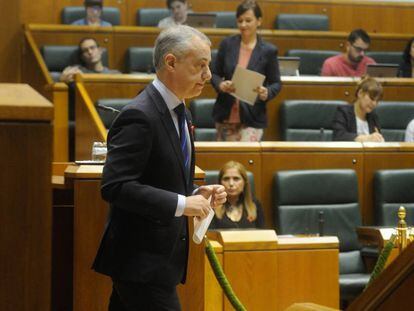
170, 62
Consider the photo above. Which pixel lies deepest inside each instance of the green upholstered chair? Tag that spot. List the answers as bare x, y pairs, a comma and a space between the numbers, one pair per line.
308, 120
386, 57
393, 188
151, 16
302, 22
72, 13
58, 57
394, 117
108, 115
311, 61
202, 114
299, 197
139, 59
225, 19
212, 178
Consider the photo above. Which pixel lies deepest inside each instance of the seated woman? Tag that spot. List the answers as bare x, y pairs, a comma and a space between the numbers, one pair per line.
178, 16
406, 67
358, 122
241, 210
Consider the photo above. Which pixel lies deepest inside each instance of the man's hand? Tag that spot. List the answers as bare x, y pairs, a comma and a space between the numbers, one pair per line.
217, 192
196, 205
68, 74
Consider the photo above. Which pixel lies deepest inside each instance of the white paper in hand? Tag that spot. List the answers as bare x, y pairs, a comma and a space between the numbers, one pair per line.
201, 226
245, 82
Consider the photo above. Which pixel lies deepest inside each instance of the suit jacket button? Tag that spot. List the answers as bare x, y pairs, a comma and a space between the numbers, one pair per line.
183, 238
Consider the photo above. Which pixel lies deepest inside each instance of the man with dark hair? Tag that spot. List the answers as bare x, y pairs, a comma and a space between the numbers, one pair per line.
93, 10
178, 16
352, 63
90, 58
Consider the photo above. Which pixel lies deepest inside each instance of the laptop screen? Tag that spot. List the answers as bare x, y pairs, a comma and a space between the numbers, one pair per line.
382, 70
289, 66
201, 20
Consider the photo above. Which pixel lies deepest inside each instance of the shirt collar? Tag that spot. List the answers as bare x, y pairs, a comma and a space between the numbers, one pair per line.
169, 97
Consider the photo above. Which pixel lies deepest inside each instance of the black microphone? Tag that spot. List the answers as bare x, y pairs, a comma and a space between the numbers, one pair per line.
107, 108
322, 134
321, 222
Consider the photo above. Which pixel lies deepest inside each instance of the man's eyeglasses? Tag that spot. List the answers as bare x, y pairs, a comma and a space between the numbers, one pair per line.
359, 49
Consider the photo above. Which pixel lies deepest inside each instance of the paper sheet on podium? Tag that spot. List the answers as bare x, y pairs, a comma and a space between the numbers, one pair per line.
201, 227
245, 81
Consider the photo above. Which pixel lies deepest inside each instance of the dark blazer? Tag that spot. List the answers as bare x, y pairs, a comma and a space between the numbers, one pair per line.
405, 70
143, 240
262, 60
344, 123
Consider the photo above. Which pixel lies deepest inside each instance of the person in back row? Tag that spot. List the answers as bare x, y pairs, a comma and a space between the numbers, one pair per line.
241, 210
90, 58
93, 10
358, 122
179, 9
407, 66
352, 63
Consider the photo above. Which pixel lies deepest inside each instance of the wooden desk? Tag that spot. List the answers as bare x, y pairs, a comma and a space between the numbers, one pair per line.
25, 198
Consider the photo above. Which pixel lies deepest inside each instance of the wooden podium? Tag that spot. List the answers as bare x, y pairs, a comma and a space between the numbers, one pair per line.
25, 198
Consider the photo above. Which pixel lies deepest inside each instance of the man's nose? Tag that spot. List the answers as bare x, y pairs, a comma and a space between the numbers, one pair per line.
207, 74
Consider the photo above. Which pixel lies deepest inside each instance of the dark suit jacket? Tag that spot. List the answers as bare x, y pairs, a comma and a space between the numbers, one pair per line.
405, 70
143, 240
344, 123
262, 60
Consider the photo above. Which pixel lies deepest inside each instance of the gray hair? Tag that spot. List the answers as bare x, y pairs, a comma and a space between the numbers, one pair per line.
176, 40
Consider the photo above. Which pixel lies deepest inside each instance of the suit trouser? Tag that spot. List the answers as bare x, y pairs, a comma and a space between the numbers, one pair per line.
132, 296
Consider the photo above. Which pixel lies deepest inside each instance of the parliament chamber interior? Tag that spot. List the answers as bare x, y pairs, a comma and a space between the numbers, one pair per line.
330, 207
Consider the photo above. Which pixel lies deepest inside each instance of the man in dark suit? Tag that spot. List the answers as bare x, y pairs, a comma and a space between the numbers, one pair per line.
148, 180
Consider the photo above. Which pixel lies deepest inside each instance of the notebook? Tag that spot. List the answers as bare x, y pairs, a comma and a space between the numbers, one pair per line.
382, 70
289, 66
201, 20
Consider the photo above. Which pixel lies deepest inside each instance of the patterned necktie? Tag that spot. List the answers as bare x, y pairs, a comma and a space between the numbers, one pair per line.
180, 111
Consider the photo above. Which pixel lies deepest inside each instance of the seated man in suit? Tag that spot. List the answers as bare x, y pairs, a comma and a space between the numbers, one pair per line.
148, 179
178, 16
90, 57
352, 63
93, 9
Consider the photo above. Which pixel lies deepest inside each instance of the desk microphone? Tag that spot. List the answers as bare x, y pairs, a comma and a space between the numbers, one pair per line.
322, 134
321, 223
107, 108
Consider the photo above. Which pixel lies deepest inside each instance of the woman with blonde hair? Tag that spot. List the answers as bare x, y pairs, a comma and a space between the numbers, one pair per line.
241, 209
359, 122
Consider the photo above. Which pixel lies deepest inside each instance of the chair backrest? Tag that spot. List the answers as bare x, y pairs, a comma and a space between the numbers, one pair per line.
212, 178
302, 21
58, 57
386, 57
225, 19
72, 13
393, 188
308, 120
140, 59
202, 113
394, 117
299, 197
106, 115
311, 61
151, 16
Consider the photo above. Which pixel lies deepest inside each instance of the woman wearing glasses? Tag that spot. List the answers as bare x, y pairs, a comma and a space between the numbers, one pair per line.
359, 122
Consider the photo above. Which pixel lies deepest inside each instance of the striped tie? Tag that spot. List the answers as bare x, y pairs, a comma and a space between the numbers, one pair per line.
180, 111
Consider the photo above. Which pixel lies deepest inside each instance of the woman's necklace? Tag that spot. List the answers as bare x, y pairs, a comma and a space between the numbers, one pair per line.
235, 212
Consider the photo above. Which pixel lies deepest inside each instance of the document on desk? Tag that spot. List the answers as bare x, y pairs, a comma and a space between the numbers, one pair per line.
245, 82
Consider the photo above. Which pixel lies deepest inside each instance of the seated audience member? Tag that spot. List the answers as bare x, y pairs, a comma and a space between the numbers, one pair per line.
90, 56
241, 210
178, 14
358, 122
406, 67
409, 132
93, 9
352, 63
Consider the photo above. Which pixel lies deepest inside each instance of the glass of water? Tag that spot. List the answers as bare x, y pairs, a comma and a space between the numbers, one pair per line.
99, 151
